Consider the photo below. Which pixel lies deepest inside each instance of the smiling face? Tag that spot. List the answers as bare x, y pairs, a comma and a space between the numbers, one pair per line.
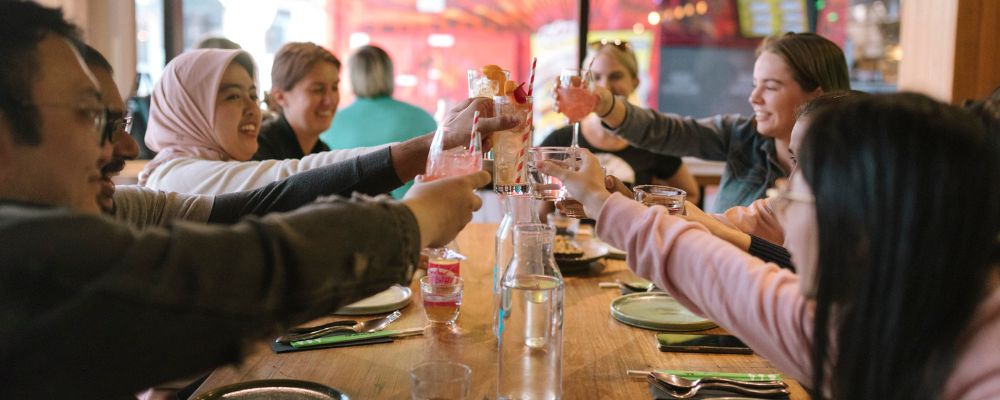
776, 96
64, 169
612, 75
311, 103
124, 147
237, 113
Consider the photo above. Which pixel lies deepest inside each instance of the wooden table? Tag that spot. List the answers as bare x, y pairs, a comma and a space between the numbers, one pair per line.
597, 348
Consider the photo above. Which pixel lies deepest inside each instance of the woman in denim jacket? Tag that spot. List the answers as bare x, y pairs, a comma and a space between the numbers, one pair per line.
790, 70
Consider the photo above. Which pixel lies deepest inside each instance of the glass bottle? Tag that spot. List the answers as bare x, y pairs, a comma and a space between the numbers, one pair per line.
519, 209
444, 263
530, 352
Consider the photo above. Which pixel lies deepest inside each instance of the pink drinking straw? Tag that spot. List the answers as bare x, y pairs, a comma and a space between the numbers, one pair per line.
472, 134
531, 76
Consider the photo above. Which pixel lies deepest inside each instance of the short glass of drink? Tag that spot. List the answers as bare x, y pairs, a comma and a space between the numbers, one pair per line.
657, 195
442, 299
440, 380
544, 186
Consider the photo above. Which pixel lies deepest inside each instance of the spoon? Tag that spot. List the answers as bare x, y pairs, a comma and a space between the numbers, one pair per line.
680, 393
684, 383
372, 325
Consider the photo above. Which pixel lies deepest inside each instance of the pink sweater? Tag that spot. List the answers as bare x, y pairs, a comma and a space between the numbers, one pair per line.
760, 302
756, 219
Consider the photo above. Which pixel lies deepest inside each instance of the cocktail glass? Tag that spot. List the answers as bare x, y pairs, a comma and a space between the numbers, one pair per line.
510, 146
453, 162
487, 82
576, 98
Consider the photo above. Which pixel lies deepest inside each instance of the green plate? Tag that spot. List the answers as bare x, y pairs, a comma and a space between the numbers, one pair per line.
657, 311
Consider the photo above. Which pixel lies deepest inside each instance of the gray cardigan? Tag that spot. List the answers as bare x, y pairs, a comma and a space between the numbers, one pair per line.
751, 159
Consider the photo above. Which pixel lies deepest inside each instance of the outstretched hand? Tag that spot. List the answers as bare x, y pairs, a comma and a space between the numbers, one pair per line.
458, 122
586, 185
443, 207
732, 235
601, 101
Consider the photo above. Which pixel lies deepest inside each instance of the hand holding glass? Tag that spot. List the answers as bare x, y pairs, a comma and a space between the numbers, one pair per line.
544, 186
656, 195
575, 94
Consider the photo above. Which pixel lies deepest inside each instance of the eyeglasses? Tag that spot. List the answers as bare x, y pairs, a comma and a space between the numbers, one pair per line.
114, 124
620, 44
94, 112
780, 197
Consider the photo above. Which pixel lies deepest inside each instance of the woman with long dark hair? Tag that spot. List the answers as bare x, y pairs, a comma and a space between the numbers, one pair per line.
892, 222
790, 70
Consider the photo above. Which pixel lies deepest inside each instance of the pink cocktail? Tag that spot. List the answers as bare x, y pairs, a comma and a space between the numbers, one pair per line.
453, 162
576, 102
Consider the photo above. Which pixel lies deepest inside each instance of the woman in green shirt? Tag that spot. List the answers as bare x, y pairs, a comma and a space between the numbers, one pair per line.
375, 118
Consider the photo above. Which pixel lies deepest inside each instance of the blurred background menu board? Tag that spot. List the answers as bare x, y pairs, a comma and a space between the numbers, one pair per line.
759, 18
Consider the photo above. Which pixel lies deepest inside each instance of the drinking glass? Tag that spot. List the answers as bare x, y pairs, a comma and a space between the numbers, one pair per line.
656, 195
564, 225
547, 187
440, 380
442, 299
509, 146
576, 92
486, 84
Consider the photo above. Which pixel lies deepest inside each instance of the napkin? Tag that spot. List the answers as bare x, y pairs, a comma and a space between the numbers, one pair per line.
287, 348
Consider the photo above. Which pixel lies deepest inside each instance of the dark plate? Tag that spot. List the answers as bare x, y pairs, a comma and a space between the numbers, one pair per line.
593, 251
275, 389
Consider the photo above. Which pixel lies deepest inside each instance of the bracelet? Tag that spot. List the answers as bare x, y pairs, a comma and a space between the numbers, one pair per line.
610, 109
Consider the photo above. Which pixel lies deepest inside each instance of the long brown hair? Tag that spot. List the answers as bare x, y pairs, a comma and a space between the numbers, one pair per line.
816, 62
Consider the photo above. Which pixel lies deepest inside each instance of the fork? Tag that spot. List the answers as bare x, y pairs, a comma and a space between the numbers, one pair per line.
683, 383
372, 325
693, 391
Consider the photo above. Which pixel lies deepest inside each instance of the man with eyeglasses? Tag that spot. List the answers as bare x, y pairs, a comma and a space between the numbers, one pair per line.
93, 308
141, 206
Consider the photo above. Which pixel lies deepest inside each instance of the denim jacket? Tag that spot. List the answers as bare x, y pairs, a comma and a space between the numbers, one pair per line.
751, 159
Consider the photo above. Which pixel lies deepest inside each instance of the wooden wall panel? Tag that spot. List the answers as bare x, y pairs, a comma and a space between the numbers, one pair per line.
951, 48
927, 36
977, 53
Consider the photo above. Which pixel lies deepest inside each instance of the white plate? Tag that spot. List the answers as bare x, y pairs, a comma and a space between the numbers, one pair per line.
391, 299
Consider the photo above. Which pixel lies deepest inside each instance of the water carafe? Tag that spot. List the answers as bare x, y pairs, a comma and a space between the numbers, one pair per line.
520, 209
530, 326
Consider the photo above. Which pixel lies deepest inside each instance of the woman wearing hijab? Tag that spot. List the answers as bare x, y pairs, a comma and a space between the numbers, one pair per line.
205, 118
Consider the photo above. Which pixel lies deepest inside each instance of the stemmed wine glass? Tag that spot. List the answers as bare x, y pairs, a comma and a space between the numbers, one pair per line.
576, 100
